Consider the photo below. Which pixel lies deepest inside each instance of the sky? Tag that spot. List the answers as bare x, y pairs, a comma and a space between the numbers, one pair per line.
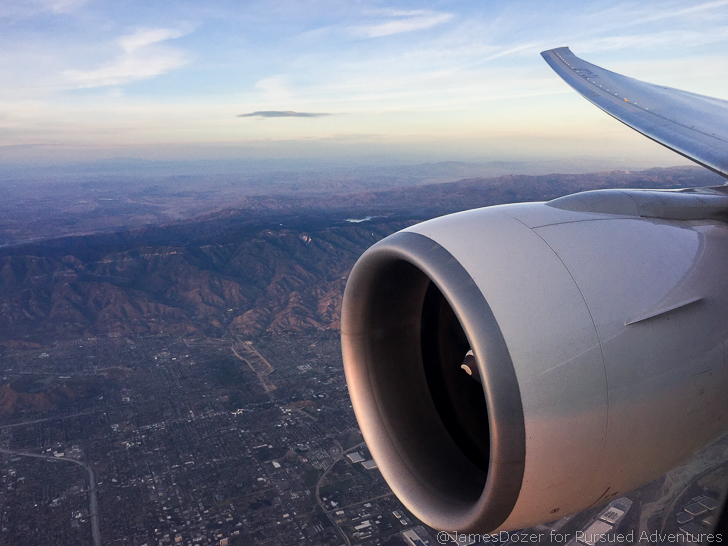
87, 80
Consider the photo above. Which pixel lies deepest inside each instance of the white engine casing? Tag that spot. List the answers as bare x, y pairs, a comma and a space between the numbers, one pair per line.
600, 338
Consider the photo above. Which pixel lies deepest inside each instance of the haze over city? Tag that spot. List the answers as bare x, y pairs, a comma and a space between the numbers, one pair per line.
362, 82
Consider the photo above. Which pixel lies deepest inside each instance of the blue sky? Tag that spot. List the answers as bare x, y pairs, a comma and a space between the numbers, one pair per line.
427, 81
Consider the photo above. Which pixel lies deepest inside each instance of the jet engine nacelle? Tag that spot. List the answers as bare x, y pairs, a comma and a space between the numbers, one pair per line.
598, 332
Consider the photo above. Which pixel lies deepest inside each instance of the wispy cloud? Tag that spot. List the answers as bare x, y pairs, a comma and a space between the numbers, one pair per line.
614, 19
29, 8
64, 6
144, 55
399, 22
284, 114
657, 15
147, 36
657, 39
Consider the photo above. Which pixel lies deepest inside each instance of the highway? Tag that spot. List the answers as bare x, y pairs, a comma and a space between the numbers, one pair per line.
318, 487
92, 497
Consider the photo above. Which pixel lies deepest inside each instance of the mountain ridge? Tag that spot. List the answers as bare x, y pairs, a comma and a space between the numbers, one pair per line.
277, 266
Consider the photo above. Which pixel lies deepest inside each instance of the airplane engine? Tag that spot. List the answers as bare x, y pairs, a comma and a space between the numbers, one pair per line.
511, 365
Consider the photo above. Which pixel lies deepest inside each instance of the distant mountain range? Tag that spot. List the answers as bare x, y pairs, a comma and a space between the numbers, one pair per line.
268, 264
108, 197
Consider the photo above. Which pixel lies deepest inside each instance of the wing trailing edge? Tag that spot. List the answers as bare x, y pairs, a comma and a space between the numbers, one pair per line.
695, 126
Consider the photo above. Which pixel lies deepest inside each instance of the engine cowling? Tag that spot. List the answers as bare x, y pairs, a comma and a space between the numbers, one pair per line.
599, 339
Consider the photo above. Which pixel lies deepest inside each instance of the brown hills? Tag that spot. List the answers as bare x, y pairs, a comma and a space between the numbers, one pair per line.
276, 280
11, 401
277, 265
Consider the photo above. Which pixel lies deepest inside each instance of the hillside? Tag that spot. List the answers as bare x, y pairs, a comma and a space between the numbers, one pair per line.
276, 265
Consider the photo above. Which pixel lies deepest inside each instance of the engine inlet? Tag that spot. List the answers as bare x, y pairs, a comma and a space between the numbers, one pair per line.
451, 448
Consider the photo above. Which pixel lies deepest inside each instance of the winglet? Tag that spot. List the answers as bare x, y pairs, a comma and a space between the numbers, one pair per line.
695, 126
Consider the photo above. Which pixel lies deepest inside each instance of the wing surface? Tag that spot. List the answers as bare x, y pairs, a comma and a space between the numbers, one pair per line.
692, 125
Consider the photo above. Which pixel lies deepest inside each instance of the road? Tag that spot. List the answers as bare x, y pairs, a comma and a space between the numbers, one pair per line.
318, 487
25, 423
93, 506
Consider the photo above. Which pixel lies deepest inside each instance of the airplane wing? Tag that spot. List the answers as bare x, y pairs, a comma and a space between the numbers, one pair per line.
695, 126
595, 330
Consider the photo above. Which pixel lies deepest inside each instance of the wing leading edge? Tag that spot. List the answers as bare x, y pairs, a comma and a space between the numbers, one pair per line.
692, 125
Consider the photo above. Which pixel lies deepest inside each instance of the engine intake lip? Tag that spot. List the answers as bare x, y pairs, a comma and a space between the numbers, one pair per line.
380, 343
